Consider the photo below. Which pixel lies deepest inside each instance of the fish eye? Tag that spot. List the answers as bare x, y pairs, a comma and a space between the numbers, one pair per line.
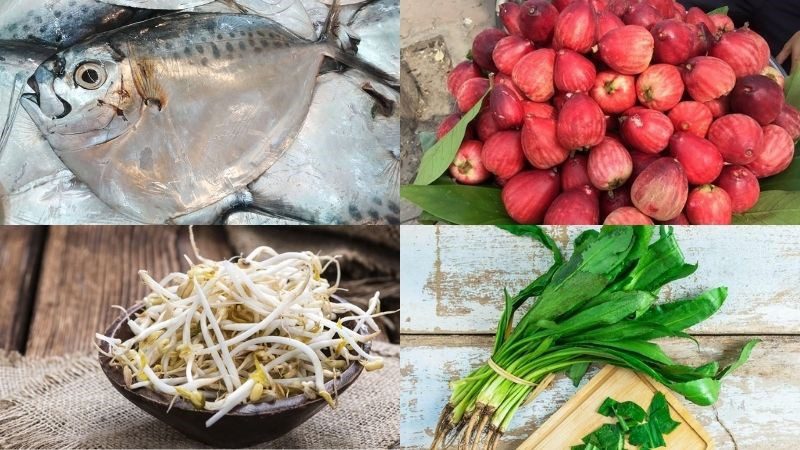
90, 75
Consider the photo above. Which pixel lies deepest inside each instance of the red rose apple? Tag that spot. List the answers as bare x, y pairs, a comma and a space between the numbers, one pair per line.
737, 137
660, 87
467, 167
709, 205
614, 92
742, 187
691, 117
528, 194
540, 144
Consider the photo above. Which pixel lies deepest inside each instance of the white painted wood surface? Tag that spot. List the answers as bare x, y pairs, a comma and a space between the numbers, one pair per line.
759, 404
451, 285
453, 277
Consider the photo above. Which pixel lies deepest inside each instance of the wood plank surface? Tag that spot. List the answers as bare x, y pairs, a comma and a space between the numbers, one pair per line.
86, 270
20, 254
758, 409
453, 277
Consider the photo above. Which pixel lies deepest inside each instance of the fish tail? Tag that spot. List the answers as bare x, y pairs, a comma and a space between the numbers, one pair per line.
330, 37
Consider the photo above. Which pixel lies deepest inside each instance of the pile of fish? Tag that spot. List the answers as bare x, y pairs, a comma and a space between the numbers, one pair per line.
199, 111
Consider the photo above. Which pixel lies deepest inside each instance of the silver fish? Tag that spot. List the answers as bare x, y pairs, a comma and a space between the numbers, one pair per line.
35, 186
356, 184
167, 116
377, 25
57, 199
59, 22
289, 13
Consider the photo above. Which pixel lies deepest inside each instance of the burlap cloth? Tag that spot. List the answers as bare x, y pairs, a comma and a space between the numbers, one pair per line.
67, 402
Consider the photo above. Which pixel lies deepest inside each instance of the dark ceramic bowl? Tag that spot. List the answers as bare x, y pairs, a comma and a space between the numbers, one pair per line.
244, 425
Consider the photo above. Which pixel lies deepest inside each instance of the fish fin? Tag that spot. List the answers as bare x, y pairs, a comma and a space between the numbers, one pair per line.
144, 78
372, 71
330, 37
13, 107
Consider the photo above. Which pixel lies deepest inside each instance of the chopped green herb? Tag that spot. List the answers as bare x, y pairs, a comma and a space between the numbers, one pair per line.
645, 430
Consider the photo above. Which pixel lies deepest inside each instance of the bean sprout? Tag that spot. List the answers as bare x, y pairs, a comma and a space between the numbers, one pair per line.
247, 330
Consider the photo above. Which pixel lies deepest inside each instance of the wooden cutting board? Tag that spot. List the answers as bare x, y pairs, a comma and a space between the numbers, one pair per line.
578, 417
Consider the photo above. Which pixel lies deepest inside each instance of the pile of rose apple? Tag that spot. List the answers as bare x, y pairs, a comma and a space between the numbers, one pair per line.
622, 112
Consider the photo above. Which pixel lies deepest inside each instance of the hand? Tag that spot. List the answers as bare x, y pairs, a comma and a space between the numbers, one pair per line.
791, 48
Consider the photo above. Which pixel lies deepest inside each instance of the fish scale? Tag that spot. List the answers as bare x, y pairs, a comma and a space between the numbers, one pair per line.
176, 129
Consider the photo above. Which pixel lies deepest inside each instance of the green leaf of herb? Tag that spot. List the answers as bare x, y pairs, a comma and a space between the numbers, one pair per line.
536, 233
607, 437
658, 414
721, 10
646, 436
743, 357
576, 372
438, 158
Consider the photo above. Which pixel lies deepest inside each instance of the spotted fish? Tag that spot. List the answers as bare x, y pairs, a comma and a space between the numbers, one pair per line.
358, 118
166, 116
59, 23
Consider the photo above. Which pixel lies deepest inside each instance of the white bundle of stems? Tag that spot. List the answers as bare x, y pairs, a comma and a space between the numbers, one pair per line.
246, 330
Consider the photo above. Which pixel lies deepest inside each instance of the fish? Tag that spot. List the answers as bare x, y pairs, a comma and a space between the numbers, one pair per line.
289, 13
377, 27
35, 185
57, 199
59, 23
358, 117
166, 116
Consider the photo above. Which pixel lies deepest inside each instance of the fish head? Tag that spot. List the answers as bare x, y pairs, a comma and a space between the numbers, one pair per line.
83, 96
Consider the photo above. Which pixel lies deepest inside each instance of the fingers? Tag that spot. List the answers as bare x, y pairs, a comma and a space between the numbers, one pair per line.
787, 50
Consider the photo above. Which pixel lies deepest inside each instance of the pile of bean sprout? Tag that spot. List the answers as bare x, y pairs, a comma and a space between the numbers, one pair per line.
245, 330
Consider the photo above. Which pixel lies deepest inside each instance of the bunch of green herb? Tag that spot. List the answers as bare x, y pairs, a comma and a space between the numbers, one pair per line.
599, 306
644, 430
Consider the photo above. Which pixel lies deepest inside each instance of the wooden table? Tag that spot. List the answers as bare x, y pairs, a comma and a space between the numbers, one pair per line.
58, 283
452, 281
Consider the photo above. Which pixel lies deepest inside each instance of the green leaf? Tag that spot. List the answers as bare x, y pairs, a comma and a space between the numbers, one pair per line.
536, 233
623, 411
638, 349
773, 208
788, 180
619, 306
682, 314
576, 372
427, 218
583, 276
646, 436
459, 204
660, 264
743, 357
722, 10
702, 391
438, 158
627, 330
658, 413
607, 437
